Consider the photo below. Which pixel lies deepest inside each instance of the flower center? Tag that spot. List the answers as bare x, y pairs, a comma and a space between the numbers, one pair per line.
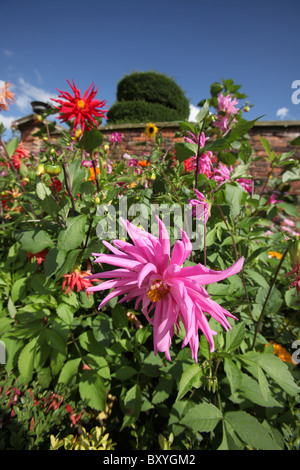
81, 104
157, 291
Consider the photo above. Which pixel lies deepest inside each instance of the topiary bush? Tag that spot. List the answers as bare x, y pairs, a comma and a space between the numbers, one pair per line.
141, 111
144, 96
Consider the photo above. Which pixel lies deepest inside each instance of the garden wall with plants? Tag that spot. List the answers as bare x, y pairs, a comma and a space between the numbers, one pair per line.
149, 301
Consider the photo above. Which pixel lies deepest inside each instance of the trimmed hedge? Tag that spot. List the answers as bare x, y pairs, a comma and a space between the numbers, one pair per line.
144, 96
141, 111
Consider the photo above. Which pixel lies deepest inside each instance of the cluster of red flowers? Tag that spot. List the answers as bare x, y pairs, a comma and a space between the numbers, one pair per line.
53, 400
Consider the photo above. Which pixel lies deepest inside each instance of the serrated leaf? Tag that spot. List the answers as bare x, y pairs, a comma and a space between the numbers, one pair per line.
190, 378
235, 336
25, 361
92, 390
69, 371
202, 418
11, 146
34, 241
70, 238
250, 430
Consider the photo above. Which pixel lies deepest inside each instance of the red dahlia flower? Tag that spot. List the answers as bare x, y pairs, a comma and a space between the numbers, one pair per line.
81, 109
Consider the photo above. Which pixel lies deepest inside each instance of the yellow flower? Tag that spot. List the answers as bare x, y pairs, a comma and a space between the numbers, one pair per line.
151, 129
274, 254
77, 135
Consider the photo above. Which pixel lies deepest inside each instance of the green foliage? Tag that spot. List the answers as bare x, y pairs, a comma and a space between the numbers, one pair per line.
148, 96
76, 377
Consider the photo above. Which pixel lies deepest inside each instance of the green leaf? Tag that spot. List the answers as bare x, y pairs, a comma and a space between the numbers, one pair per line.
44, 377
202, 418
124, 373
34, 241
76, 173
251, 431
279, 372
25, 361
274, 301
69, 262
191, 377
55, 340
92, 140
234, 197
163, 389
69, 371
18, 289
92, 390
73, 235
290, 209
185, 151
256, 392
235, 336
11, 146
53, 261
203, 112
233, 374
42, 191
132, 405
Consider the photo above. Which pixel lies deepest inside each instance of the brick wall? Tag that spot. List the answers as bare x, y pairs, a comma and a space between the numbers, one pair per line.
135, 141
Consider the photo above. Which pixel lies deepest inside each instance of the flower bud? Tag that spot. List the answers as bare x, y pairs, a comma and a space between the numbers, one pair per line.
294, 251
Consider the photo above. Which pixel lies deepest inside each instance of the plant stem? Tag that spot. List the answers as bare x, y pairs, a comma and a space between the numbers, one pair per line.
259, 321
68, 187
94, 166
236, 258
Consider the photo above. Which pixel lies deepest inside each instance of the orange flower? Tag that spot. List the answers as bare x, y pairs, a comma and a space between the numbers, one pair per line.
281, 352
144, 163
274, 254
92, 173
5, 96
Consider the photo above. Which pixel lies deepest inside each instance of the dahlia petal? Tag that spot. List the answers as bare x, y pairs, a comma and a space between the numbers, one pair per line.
205, 275
145, 271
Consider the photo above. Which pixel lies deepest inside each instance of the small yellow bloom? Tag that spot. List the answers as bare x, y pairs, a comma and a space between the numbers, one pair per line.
106, 147
151, 129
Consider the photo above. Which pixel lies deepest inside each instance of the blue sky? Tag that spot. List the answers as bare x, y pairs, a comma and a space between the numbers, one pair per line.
195, 42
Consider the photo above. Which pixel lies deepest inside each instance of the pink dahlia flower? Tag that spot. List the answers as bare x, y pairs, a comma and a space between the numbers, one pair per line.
222, 173
201, 206
148, 273
227, 104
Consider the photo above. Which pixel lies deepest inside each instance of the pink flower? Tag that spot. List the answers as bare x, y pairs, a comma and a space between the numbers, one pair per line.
227, 104
201, 206
204, 162
246, 184
223, 173
226, 112
273, 198
146, 272
116, 137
